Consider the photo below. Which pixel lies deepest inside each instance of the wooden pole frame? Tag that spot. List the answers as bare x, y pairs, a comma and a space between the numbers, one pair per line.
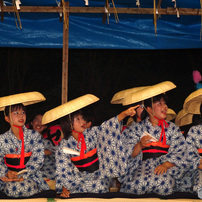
65, 9
65, 55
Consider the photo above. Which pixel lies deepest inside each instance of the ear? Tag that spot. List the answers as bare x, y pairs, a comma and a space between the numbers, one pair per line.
7, 119
149, 109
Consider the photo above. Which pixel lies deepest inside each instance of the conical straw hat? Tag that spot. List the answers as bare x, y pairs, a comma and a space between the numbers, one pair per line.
170, 115
24, 98
118, 97
193, 102
148, 92
68, 108
183, 118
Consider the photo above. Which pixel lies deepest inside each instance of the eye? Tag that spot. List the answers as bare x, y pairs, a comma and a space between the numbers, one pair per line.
15, 113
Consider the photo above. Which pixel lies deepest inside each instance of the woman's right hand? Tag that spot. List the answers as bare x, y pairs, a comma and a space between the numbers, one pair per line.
144, 141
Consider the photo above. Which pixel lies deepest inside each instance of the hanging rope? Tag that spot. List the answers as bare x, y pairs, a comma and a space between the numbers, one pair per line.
155, 18
16, 14
115, 12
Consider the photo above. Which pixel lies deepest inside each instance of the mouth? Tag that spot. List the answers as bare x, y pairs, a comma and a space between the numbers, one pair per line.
21, 121
83, 126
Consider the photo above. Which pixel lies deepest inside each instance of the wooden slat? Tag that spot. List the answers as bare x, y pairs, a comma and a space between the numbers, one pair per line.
49, 9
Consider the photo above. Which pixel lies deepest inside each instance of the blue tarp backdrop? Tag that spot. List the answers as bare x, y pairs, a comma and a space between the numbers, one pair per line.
87, 31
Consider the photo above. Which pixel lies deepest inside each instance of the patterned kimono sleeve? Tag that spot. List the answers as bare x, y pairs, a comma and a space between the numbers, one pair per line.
36, 160
67, 174
3, 167
131, 137
49, 146
177, 151
193, 156
110, 147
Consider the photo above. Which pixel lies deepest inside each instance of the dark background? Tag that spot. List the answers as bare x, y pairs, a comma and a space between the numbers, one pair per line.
99, 72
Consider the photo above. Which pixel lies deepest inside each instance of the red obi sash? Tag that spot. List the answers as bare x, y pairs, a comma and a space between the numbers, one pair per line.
200, 152
89, 162
155, 150
13, 161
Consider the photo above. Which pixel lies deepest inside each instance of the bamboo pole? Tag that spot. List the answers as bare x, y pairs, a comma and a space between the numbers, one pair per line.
65, 54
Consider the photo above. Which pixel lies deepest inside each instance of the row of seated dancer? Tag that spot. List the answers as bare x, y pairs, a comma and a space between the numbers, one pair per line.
174, 168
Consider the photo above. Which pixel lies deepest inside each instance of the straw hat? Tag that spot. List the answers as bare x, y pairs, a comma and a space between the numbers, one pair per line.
118, 97
170, 115
193, 102
68, 108
148, 92
24, 98
183, 118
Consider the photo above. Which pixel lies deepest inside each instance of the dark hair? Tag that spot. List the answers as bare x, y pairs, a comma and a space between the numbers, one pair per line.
88, 117
197, 118
67, 123
148, 103
12, 108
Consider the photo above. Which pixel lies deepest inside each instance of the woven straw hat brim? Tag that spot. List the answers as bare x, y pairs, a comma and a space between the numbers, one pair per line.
148, 92
68, 108
118, 97
193, 102
170, 115
183, 118
24, 98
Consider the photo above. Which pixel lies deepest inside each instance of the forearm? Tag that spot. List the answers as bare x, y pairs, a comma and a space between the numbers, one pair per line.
137, 149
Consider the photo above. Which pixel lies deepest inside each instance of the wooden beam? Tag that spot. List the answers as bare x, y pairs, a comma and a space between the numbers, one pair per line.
49, 9
65, 54
2, 8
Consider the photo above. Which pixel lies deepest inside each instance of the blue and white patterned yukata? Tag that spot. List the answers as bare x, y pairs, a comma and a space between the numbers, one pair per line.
49, 167
33, 181
140, 177
112, 162
193, 176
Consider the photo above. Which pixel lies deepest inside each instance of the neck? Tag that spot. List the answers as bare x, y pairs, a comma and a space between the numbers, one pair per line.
75, 135
15, 131
154, 121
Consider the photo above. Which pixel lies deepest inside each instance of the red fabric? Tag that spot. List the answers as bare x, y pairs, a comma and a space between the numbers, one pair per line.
161, 123
83, 144
22, 159
154, 151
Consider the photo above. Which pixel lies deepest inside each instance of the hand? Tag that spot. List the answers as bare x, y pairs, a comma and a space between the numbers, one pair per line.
200, 165
144, 141
129, 112
5, 179
161, 169
65, 193
11, 174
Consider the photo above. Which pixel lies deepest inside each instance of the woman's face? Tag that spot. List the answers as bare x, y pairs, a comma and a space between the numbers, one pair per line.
36, 124
18, 117
159, 109
79, 124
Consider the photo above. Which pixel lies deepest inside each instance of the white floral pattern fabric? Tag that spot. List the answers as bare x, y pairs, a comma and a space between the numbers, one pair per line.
112, 163
33, 181
140, 177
